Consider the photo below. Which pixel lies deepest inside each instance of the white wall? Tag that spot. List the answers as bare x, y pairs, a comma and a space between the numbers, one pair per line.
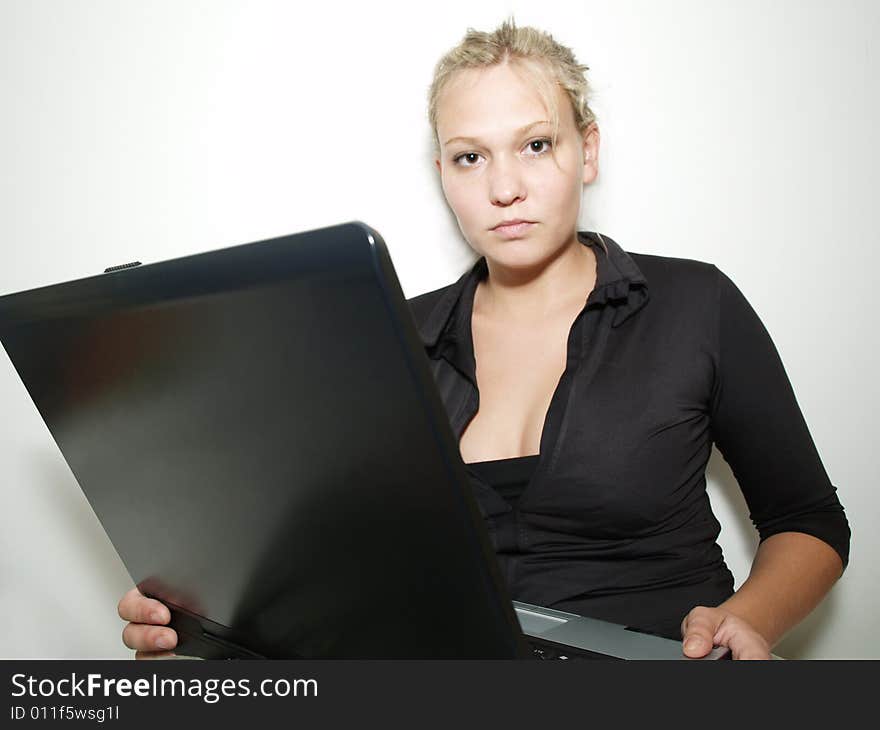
740, 133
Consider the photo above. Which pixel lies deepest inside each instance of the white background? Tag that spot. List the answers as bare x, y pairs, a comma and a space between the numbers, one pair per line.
741, 133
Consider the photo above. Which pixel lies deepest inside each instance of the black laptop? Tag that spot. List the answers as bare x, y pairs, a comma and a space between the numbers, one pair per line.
258, 432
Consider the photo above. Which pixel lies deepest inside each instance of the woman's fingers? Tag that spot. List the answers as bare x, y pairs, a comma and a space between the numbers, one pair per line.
139, 609
754, 652
704, 627
146, 631
154, 654
698, 631
143, 637
743, 641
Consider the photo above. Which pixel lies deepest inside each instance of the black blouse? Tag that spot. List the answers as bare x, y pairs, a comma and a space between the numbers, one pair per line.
666, 358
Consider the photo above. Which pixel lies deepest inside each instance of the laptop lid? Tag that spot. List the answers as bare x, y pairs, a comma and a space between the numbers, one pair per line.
258, 432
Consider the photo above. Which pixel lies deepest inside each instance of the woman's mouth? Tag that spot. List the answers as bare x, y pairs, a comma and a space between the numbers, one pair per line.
513, 229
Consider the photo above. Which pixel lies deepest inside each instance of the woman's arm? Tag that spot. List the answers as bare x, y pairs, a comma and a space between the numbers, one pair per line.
791, 573
761, 432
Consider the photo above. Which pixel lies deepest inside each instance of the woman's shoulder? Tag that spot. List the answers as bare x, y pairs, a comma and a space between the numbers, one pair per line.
680, 279
439, 302
675, 270
422, 304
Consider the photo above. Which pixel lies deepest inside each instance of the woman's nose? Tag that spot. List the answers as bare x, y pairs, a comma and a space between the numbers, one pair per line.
506, 184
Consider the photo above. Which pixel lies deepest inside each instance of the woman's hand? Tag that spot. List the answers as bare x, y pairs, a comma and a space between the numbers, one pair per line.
706, 627
146, 633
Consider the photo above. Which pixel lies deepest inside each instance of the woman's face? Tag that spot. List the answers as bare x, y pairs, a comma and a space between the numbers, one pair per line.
496, 165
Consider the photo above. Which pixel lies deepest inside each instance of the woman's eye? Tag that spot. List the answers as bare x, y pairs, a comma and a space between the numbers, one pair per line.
539, 146
468, 159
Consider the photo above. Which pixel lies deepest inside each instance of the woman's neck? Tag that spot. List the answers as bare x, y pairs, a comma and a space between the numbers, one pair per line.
532, 295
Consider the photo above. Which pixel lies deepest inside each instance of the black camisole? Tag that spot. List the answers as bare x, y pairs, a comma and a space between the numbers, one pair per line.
508, 477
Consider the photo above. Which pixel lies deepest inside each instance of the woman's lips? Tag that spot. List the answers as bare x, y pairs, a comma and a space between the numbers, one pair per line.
513, 230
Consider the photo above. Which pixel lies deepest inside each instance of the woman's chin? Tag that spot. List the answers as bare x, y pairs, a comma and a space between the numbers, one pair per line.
517, 256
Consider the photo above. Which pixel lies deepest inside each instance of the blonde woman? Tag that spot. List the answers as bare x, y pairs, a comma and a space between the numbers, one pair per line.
587, 385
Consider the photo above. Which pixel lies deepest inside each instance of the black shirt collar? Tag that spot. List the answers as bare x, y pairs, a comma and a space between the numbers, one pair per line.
619, 282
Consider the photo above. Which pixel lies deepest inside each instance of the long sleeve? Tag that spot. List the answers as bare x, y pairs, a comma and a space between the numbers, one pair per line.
760, 430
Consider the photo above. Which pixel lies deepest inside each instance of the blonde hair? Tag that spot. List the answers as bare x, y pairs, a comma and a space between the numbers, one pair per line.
535, 52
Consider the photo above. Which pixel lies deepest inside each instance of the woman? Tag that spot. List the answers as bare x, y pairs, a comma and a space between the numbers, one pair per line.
587, 385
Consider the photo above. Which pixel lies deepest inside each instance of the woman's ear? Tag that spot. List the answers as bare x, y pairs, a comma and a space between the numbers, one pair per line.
591, 153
